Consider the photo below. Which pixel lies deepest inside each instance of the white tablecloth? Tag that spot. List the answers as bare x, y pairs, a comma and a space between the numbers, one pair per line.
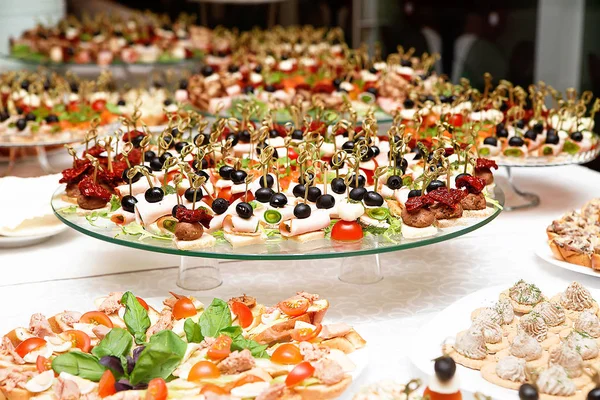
417, 283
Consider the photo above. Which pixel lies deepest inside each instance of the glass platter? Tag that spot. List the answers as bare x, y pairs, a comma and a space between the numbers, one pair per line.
360, 263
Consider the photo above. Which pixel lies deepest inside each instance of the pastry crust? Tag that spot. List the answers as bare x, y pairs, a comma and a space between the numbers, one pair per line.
518, 307
488, 372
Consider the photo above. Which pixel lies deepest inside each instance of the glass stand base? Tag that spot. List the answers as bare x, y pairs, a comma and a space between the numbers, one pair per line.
516, 199
361, 270
199, 273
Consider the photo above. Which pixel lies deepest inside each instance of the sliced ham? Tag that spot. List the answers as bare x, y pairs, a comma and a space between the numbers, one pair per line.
236, 224
123, 218
318, 220
334, 330
147, 213
217, 222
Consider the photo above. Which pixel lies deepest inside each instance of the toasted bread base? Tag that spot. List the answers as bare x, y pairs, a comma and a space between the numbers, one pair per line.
241, 241
324, 392
307, 237
204, 241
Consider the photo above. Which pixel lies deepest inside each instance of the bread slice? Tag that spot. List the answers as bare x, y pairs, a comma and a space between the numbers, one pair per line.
241, 241
349, 343
206, 240
410, 232
308, 236
324, 392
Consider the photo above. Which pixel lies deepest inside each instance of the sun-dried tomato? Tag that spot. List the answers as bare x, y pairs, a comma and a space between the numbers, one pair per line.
89, 188
413, 204
449, 197
191, 216
484, 163
474, 184
95, 150
112, 179
324, 86
75, 174
127, 136
134, 157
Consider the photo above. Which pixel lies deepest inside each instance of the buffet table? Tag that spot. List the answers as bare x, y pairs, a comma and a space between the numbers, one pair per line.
71, 269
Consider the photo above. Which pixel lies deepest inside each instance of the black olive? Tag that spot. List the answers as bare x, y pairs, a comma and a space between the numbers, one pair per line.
445, 368
362, 181
244, 210
207, 70
539, 127
445, 99
258, 69
165, 156
460, 176
149, 155
338, 185
418, 154
501, 132
270, 181
273, 133
594, 394
244, 136
137, 141
25, 84
175, 208
401, 162
302, 211
373, 70
19, 110
337, 82
189, 194
156, 164
51, 119
394, 182
183, 84
516, 141
325, 201
278, 200
154, 195
220, 205
405, 63
179, 146
225, 172
121, 102
551, 131
577, 136
264, 194
297, 134
375, 151
520, 124
233, 137
491, 141
205, 139
47, 84
357, 194
4, 116
299, 190
203, 164
21, 124
302, 181
552, 138
408, 104
367, 155
313, 193
435, 184
373, 91
203, 173
373, 199
238, 176
248, 89
128, 203
30, 116
232, 68
528, 392
414, 193
530, 134
168, 102
269, 88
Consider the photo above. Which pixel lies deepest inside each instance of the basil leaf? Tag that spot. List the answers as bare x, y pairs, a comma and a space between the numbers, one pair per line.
232, 331
215, 318
258, 350
80, 364
136, 317
192, 331
159, 359
116, 343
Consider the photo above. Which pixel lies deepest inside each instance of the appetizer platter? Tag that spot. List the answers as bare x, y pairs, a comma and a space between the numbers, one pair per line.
124, 347
503, 337
245, 191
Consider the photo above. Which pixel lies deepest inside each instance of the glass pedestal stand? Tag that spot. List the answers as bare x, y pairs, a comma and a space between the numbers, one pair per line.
527, 200
361, 270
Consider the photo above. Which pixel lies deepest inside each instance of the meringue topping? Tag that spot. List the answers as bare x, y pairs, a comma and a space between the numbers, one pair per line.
568, 358
525, 293
525, 346
534, 325
471, 343
576, 298
555, 381
505, 310
588, 323
552, 313
511, 368
584, 344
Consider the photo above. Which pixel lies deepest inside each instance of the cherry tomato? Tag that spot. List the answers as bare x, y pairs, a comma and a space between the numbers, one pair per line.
43, 364
79, 339
294, 306
73, 106
210, 388
99, 105
220, 349
346, 231
202, 370
96, 318
287, 354
306, 334
28, 345
455, 120
157, 389
142, 303
243, 313
184, 308
299, 373
430, 120
292, 154
441, 396
244, 381
106, 386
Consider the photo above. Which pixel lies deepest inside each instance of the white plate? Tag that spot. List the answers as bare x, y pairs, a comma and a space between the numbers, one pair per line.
457, 317
7, 242
543, 251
